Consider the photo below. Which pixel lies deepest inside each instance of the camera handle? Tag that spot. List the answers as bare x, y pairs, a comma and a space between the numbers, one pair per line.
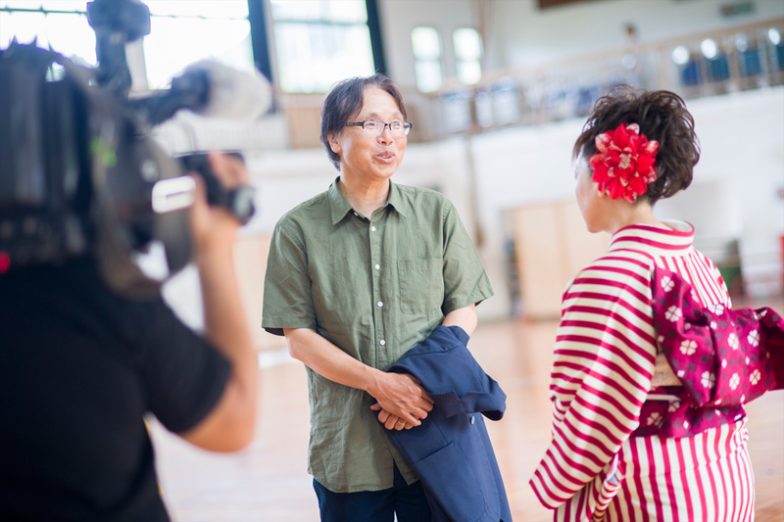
238, 201
116, 23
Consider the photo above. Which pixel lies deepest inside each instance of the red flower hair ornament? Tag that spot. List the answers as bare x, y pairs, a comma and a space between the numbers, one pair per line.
625, 163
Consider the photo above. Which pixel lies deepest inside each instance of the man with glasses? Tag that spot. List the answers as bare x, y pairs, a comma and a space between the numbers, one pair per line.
356, 276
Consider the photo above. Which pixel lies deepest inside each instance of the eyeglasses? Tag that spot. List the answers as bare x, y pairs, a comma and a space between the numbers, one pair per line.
375, 128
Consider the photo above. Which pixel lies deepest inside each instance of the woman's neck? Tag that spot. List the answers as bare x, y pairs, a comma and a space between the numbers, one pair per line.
364, 197
627, 214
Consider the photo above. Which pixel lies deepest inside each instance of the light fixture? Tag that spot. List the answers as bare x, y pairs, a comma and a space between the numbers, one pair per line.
680, 55
709, 48
774, 36
742, 42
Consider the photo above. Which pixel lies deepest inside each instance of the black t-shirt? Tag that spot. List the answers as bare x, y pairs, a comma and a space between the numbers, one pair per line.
79, 368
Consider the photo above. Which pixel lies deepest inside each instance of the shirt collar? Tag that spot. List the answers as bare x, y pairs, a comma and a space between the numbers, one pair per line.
396, 200
339, 205
676, 240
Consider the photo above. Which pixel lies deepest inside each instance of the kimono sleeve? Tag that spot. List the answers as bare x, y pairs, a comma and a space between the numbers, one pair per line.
603, 366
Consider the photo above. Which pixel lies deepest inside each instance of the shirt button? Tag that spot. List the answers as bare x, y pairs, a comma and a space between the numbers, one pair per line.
377, 267
355, 213
382, 342
380, 304
372, 229
472, 419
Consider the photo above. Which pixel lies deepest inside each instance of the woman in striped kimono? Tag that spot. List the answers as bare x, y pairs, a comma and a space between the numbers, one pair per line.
615, 454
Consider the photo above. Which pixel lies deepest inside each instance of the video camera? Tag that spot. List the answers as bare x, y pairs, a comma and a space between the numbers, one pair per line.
79, 171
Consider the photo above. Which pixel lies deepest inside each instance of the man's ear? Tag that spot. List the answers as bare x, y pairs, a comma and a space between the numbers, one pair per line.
334, 143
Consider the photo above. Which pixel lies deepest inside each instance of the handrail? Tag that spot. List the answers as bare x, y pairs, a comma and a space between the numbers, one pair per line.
490, 78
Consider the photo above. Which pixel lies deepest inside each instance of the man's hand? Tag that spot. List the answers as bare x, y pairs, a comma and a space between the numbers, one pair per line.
391, 422
401, 400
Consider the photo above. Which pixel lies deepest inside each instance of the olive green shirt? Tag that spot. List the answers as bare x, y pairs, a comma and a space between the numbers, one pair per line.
374, 288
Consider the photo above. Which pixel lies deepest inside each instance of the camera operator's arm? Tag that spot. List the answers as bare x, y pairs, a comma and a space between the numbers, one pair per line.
229, 426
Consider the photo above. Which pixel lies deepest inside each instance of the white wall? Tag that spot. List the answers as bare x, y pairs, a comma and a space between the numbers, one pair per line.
524, 35
735, 184
743, 144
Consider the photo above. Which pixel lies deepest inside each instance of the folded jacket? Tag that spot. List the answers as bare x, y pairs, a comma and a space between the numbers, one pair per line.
451, 451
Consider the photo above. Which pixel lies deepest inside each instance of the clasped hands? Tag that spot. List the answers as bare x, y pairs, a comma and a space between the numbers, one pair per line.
402, 403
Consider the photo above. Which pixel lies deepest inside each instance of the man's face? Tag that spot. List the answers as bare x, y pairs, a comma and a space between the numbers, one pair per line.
364, 155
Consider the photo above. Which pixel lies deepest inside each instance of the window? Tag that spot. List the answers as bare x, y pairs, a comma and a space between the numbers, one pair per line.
468, 54
184, 32
427, 58
320, 42
61, 24
216, 29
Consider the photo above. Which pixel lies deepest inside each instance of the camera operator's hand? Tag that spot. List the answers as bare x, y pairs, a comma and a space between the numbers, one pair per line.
213, 226
229, 426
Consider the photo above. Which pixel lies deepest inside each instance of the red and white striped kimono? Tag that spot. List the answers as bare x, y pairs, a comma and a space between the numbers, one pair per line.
600, 464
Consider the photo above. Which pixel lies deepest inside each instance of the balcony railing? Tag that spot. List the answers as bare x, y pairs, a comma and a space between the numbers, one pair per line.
749, 56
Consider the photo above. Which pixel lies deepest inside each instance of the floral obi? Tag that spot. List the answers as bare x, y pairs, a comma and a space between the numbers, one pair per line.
723, 357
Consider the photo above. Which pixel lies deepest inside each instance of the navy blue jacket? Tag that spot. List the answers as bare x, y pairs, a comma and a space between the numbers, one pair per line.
451, 451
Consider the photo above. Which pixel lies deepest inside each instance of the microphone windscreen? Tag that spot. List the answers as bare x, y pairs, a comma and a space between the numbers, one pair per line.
234, 94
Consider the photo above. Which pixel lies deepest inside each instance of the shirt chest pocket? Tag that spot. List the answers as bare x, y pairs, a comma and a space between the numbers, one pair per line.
420, 285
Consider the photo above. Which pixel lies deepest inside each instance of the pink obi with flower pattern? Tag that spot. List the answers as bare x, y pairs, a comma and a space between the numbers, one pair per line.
723, 357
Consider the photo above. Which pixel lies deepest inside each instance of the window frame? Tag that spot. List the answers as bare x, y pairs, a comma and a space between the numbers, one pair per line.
372, 23
460, 60
419, 60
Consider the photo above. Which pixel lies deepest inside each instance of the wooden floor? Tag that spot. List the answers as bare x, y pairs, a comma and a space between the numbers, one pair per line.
268, 482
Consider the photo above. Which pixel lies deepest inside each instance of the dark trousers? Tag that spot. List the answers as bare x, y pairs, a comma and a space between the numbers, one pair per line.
408, 502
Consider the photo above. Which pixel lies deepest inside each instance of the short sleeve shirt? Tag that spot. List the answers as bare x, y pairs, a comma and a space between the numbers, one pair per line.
374, 288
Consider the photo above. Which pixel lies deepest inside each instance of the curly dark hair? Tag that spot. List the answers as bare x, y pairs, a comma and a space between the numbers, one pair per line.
662, 116
345, 99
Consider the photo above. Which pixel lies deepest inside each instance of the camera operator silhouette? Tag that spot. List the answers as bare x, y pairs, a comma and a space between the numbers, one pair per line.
80, 366
88, 347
